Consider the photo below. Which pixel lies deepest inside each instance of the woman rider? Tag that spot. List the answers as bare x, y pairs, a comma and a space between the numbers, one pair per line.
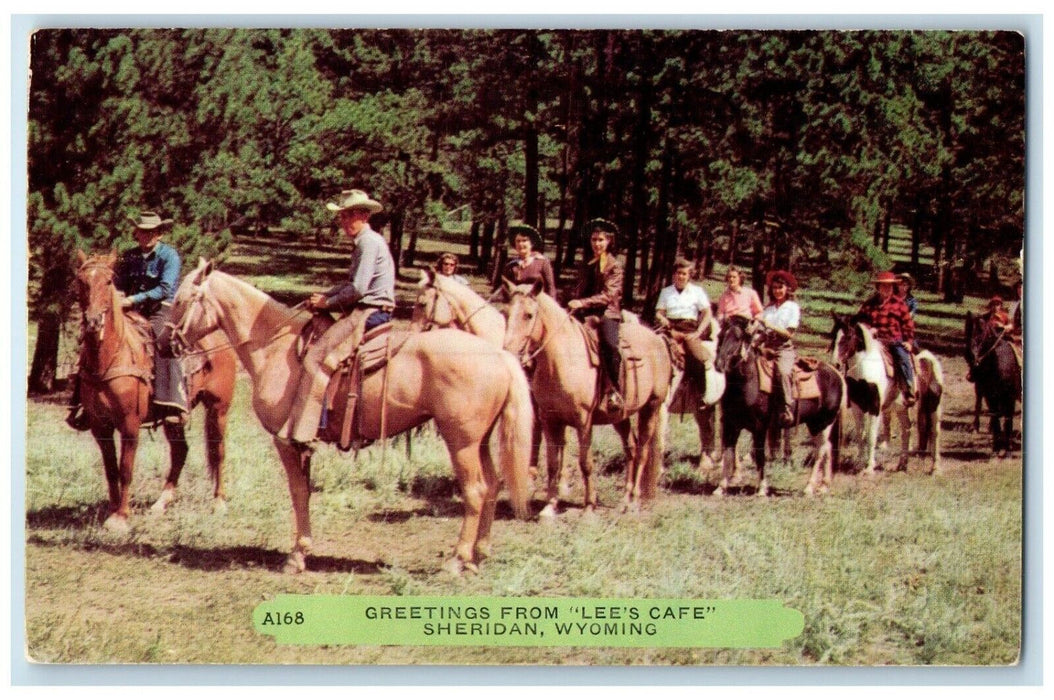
529, 265
781, 318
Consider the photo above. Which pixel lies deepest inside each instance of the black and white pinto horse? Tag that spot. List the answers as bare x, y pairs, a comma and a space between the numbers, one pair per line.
745, 407
874, 396
996, 372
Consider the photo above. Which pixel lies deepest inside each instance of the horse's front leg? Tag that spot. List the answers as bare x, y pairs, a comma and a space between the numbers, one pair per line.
555, 438
705, 420
121, 508
108, 449
215, 451
177, 457
904, 420
297, 463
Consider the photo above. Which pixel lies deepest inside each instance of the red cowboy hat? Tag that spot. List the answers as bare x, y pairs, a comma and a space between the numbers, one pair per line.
884, 278
781, 276
995, 301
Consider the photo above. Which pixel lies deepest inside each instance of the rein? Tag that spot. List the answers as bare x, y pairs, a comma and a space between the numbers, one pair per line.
528, 358
992, 347
455, 308
177, 333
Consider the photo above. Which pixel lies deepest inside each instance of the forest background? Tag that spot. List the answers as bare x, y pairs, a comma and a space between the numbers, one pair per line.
789, 149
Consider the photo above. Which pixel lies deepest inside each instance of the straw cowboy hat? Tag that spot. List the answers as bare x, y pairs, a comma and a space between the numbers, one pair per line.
781, 276
529, 231
884, 278
149, 220
906, 277
355, 199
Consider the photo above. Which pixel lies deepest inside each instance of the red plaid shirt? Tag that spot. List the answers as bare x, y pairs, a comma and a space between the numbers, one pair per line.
891, 319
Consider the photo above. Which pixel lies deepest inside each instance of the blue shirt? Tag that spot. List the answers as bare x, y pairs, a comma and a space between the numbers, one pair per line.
371, 279
148, 279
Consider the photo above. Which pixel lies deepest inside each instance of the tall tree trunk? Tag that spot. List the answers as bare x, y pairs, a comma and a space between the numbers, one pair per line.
473, 240
43, 369
486, 245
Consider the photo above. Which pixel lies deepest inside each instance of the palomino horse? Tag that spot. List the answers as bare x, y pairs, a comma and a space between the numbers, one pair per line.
564, 384
996, 372
686, 398
115, 381
873, 395
745, 406
469, 388
446, 303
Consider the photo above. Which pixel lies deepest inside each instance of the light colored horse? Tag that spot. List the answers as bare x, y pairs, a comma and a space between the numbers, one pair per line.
565, 387
469, 388
446, 303
874, 396
115, 376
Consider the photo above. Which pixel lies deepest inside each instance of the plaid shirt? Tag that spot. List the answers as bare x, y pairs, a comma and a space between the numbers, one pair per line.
891, 319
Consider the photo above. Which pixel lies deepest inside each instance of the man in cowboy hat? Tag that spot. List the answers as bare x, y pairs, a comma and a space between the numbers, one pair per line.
889, 316
367, 299
148, 276
600, 293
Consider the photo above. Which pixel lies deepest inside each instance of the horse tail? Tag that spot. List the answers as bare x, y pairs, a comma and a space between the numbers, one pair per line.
516, 424
653, 469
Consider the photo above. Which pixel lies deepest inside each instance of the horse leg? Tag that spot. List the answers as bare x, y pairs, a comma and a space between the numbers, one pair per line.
466, 460
177, 457
823, 464
118, 519
704, 419
215, 452
490, 502
976, 427
758, 448
555, 438
904, 420
297, 463
649, 453
631, 449
872, 424
585, 465
105, 440
536, 447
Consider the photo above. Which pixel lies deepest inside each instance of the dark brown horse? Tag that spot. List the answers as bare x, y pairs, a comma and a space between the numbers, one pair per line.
116, 366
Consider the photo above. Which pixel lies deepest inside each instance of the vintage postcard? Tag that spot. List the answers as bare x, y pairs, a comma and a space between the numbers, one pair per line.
640, 347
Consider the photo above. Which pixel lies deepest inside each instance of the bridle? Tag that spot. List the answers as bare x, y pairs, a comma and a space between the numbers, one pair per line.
97, 323
526, 357
460, 318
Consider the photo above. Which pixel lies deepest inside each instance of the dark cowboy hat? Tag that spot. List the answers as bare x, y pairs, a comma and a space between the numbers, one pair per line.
602, 225
149, 220
906, 277
781, 276
531, 232
884, 278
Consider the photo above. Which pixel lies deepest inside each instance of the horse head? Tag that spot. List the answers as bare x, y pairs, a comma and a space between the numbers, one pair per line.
95, 291
523, 325
431, 308
735, 342
192, 317
847, 339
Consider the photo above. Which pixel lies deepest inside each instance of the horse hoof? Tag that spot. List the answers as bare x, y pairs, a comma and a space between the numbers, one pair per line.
453, 566
482, 551
116, 524
705, 463
548, 513
810, 490
564, 490
719, 491
219, 507
295, 563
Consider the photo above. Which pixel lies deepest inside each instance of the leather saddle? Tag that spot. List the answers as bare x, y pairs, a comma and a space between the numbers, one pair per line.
341, 410
804, 384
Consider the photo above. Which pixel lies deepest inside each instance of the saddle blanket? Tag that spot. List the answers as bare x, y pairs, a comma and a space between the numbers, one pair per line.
805, 383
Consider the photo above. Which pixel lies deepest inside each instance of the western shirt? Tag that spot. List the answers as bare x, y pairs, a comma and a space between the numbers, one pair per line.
371, 277
686, 304
148, 279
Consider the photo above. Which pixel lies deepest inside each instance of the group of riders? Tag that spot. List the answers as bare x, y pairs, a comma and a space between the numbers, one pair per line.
148, 276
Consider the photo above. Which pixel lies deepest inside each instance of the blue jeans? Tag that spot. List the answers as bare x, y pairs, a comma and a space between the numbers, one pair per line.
902, 359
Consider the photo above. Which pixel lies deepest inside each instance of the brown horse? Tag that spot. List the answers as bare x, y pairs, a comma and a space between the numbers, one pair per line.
469, 388
115, 376
565, 387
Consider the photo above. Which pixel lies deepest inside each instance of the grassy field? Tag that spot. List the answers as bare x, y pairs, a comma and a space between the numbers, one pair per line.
900, 568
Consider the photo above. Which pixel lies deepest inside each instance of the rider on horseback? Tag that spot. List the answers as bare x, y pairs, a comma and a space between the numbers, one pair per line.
600, 293
683, 310
148, 276
368, 299
781, 318
891, 320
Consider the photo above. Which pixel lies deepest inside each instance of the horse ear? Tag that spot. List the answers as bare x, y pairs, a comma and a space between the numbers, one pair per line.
81, 257
537, 288
111, 258
202, 271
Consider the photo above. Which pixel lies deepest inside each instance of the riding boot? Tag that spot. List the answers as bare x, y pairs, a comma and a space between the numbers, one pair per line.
77, 418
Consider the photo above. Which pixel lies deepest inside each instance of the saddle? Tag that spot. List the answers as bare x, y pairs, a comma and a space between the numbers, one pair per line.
342, 414
631, 356
804, 385
140, 338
